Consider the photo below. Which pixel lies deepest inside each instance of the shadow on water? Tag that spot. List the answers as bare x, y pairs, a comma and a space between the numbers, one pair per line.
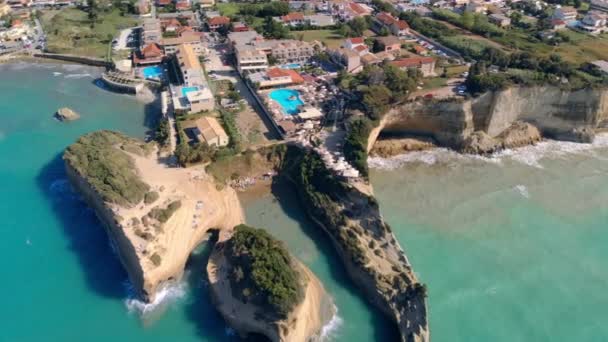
283, 190
200, 310
86, 236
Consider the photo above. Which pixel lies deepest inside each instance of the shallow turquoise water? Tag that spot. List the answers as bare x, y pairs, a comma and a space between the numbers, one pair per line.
61, 280
512, 249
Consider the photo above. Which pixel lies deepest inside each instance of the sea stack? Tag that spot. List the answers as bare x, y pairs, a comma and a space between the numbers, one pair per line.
259, 288
154, 215
66, 114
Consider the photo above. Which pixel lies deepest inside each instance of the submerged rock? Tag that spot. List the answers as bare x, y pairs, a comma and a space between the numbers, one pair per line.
66, 114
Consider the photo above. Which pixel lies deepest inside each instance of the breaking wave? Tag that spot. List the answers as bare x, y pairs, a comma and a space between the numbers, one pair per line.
528, 155
165, 295
330, 330
523, 190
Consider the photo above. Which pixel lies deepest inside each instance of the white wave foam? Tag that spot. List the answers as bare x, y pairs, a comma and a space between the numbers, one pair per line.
165, 295
528, 155
523, 190
78, 75
330, 330
57, 73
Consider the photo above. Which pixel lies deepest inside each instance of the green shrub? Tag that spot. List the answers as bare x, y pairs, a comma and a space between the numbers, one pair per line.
163, 215
265, 274
150, 197
98, 158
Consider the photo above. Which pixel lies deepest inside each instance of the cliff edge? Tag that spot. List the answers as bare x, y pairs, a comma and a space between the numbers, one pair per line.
155, 215
496, 119
373, 258
259, 288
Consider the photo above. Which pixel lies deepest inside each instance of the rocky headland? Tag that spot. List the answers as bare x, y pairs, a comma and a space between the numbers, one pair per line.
350, 215
501, 119
259, 288
155, 215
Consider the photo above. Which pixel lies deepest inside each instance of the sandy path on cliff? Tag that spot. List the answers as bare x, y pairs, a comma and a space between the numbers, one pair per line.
203, 206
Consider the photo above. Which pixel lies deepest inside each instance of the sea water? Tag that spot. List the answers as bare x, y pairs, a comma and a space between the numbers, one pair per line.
512, 247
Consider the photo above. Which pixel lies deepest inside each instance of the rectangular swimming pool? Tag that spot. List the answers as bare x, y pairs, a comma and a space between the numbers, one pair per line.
186, 90
154, 72
289, 100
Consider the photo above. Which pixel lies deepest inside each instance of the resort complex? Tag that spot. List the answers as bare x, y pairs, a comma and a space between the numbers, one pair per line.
232, 102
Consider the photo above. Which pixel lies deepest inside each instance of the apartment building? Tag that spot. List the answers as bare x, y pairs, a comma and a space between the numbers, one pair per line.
194, 96
249, 60
190, 38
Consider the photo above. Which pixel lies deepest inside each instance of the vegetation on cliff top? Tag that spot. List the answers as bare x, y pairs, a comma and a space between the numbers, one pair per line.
99, 158
263, 272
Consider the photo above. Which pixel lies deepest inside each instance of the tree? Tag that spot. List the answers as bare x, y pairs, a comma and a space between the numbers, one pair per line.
376, 99
467, 20
275, 29
92, 12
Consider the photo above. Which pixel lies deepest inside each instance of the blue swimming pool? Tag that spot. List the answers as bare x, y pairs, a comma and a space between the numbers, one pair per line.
153, 72
186, 90
289, 100
291, 66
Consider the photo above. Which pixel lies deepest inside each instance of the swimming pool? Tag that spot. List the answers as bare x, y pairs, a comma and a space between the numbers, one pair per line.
186, 90
153, 72
289, 100
291, 66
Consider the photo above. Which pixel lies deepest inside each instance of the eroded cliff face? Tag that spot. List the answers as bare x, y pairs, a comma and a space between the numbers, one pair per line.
558, 114
153, 241
303, 324
371, 254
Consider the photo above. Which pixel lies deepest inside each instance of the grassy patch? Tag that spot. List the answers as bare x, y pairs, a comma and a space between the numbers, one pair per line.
229, 8
69, 31
98, 158
329, 37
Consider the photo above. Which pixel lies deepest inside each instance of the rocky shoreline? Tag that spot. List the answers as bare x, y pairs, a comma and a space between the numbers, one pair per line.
304, 323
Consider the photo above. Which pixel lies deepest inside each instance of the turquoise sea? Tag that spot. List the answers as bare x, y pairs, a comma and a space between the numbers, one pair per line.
512, 247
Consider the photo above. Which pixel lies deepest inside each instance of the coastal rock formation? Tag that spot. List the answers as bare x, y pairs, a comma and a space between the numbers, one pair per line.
66, 114
393, 146
372, 256
155, 215
517, 135
269, 312
556, 113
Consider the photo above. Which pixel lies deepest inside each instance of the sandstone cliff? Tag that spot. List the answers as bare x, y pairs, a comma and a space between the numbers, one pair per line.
303, 323
372, 256
558, 114
156, 233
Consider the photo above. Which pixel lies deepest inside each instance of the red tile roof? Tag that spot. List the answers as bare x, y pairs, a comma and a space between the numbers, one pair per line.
360, 48
402, 25
386, 18
357, 40
276, 72
151, 50
412, 62
164, 2
294, 16
358, 9
219, 21
295, 77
